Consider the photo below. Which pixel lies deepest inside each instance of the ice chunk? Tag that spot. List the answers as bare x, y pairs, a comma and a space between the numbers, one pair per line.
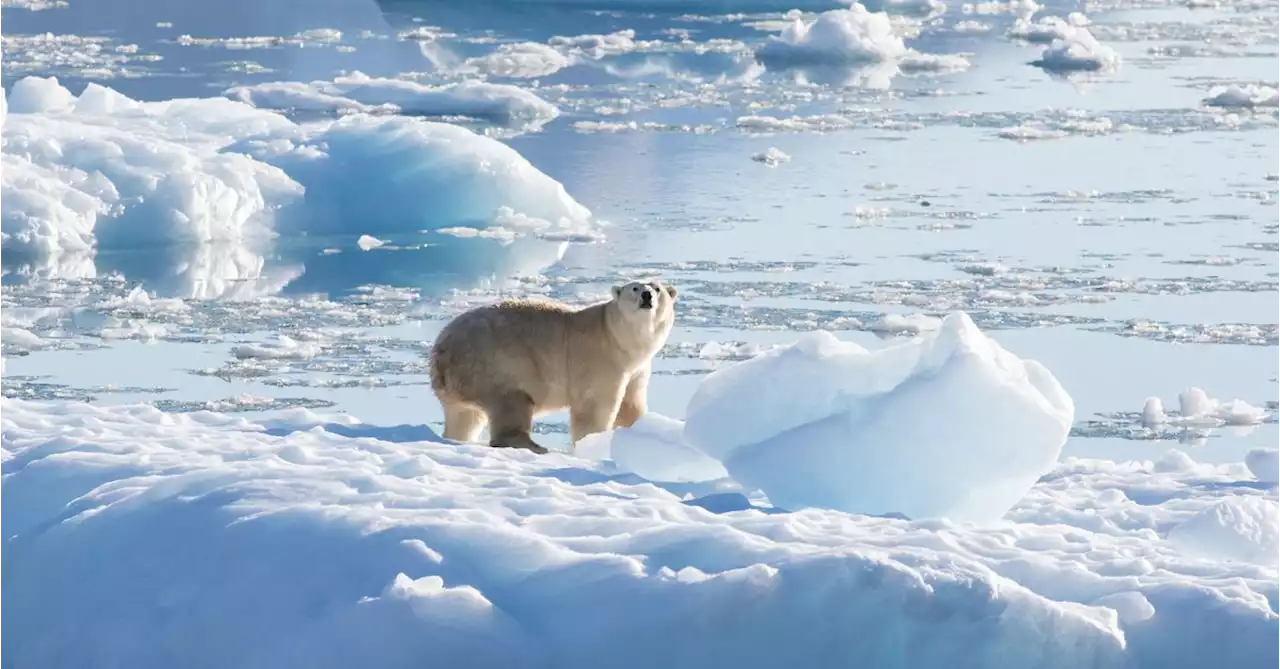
107, 172
500, 103
948, 424
1153, 412
1264, 464
1075, 49
771, 157
33, 95
1241, 528
1243, 97
654, 448
369, 242
850, 38
431, 176
524, 60
1197, 408
836, 37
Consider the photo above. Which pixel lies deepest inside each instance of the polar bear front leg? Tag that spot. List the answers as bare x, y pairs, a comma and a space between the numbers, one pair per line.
594, 411
634, 398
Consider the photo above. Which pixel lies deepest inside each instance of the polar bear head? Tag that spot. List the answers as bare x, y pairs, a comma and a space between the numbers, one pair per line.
647, 299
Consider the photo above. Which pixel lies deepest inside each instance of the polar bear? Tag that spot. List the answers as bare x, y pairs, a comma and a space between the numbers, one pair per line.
508, 362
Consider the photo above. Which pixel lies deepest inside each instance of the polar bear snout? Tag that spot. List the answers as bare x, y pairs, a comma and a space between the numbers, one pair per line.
646, 298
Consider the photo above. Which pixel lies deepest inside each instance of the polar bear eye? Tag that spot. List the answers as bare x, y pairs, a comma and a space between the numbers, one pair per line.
635, 289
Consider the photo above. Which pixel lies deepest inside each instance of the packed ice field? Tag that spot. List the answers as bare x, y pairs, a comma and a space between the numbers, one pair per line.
974, 364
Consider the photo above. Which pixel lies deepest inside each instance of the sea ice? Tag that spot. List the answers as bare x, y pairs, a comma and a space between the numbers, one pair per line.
525, 60
1243, 97
1075, 49
771, 157
125, 525
215, 171
499, 103
837, 37
945, 425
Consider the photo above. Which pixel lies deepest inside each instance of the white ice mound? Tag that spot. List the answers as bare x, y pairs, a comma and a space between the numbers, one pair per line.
424, 176
948, 424
104, 171
1077, 50
1243, 97
653, 448
358, 92
849, 38
1264, 464
837, 37
1242, 529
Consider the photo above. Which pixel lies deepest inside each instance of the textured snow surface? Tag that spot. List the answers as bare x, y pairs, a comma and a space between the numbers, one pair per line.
101, 170
947, 424
297, 543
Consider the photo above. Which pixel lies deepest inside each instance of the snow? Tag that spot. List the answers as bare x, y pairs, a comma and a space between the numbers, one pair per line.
103, 171
358, 92
1264, 464
653, 448
311, 541
283, 348
1197, 408
946, 424
329, 550
1245, 529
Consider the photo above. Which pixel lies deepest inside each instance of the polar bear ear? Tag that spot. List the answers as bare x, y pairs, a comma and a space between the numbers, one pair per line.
617, 292
671, 291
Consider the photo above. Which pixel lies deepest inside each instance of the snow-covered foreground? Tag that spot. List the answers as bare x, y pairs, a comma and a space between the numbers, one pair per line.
301, 542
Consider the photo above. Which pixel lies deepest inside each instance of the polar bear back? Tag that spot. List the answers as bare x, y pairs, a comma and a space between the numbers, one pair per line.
542, 349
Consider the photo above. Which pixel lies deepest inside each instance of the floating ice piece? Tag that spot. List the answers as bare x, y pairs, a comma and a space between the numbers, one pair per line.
369, 242
1197, 408
839, 36
499, 103
948, 424
1077, 50
283, 348
1153, 412
524, 60
653, 448
1241, 528
1264, 464
905, 324
850, 38
771, 157
431, 176
1243, 97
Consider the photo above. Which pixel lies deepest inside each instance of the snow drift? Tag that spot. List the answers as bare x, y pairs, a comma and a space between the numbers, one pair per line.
100, 170
312, 549
947, 424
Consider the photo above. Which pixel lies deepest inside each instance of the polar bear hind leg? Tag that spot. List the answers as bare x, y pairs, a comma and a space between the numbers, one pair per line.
511, 421
463, 422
